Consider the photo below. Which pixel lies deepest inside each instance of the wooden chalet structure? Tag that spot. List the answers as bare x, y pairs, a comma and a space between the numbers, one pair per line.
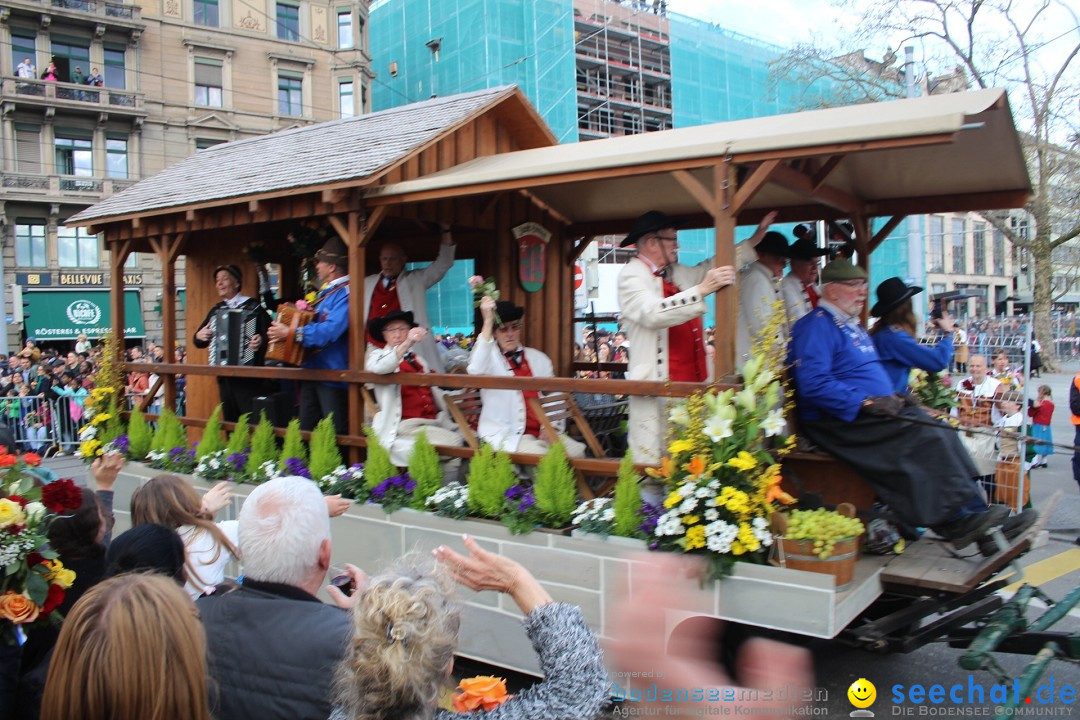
484, 162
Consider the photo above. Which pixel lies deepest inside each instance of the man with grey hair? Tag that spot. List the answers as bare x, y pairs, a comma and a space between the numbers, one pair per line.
272, 645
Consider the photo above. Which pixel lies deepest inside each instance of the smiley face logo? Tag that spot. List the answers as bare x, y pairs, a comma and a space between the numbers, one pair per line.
862, 693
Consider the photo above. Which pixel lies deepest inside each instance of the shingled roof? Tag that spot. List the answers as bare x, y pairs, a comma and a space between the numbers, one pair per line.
331, 152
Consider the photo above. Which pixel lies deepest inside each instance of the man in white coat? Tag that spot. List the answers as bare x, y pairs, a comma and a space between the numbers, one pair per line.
395, 288
505, 419
662, 303
800, 286
759, 295
406, 410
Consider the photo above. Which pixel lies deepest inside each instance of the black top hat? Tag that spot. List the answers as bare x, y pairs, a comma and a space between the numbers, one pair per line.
650, 222
232, 270
805, 248
890, 293
334, 251
506, 310
774, 244
377, 325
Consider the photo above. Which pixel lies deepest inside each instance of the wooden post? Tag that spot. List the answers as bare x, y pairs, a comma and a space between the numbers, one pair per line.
727, 299
167, 248
861, 225
119, 251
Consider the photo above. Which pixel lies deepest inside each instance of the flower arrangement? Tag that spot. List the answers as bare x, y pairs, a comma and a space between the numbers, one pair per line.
595, 516
176, 460
481, 287
933, 390
346, 481
520, 513
100, 414
221, 465
264, 472
482, 692
451, 501
723, 475
394, 493
33, 580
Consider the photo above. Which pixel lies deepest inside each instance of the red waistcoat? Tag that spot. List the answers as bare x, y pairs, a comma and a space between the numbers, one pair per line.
416, 401
532, 424
383, 302
686, 347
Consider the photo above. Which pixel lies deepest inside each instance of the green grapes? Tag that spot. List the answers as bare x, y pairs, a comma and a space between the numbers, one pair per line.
823, 527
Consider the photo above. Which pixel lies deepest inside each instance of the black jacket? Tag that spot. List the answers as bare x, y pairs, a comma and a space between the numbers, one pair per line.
262, 323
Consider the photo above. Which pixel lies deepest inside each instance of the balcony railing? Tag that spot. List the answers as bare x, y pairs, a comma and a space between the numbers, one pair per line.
99, 8
63, 185
88, 96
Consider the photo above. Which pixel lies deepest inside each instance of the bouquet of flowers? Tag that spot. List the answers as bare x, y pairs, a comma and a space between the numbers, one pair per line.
32, 578
480, 288
723, 473
934, 390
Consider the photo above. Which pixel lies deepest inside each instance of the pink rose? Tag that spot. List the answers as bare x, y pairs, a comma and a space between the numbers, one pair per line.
475, 281
303, 305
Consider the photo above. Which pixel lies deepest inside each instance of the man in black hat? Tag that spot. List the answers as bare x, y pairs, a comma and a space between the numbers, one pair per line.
236, 393
406, 410
329, 335
800, 286
759, 295
506, 422
662, 303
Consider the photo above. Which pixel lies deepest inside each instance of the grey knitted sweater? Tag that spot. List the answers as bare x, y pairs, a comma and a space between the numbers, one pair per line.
575, 685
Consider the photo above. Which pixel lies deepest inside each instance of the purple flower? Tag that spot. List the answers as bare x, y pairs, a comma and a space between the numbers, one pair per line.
237, 460
294, 466
652, 514
521, 497
121, 443
176, 452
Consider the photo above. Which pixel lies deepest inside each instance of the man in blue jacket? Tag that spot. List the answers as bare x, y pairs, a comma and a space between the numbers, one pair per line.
329, 335
847, 407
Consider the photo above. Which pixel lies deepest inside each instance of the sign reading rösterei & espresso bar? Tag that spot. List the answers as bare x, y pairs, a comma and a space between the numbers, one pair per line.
64, 314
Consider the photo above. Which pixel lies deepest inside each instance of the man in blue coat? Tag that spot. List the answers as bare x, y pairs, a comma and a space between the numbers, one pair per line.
847, 407
329, 335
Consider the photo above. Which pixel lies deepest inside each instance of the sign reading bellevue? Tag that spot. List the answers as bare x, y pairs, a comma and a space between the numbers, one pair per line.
64, 314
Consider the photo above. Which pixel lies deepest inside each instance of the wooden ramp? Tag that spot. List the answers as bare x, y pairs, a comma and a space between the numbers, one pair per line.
931, 564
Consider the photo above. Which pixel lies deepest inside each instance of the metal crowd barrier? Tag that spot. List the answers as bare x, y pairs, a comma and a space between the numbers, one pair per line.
45, 426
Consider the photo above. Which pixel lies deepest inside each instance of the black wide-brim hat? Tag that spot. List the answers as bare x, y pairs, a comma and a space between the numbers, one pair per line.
890, 293
650, 222
806, 248
774, 243
506, 310
377, 325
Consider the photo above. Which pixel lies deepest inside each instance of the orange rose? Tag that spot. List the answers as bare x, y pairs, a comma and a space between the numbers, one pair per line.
31, 459
18, 608
482, 692
7, 460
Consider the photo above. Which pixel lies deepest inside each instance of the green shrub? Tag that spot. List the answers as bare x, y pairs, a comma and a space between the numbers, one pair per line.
555, 487
377, 467
241, 434
325, 456
293, 445
490, 475
140, 435
212, 440
170, 432
263, 446
628, 516
426, 470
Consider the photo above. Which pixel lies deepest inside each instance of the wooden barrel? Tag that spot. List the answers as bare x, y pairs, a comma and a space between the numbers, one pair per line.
799, 555
1007, 484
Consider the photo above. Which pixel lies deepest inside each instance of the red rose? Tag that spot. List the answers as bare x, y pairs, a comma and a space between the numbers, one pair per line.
33, 559
53, 599
7, 460
62, 496
31, 459
18, 499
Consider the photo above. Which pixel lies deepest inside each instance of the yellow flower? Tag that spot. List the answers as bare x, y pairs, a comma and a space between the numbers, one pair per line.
90, 448
695, 538
59, 574
737, 548
101, 418
747, 539
672, 500
310, 297
680, 446
743, 461
739, 502
11, 513
690, 519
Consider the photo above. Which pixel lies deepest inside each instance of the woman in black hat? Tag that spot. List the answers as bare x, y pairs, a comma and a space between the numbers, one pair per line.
894, 335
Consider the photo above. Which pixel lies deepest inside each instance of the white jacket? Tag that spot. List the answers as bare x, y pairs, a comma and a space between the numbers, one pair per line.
385, 423
759, 291
796, 301
412, 287
502, 417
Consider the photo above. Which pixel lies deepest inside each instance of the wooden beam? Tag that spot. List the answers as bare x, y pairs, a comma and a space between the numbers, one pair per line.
339, 228
819, 176
804, 185
117, 257
750, 187
253, 206
885, 231
370, 226
726, 301
545, 207
861, 224
961, 202
697, 190
189, 214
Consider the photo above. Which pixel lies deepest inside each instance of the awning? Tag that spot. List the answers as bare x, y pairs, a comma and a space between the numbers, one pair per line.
63, 314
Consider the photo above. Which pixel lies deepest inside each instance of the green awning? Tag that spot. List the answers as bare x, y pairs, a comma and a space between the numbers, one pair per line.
63, 314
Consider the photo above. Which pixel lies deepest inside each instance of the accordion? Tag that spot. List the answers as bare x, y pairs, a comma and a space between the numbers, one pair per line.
289, 351
232, 330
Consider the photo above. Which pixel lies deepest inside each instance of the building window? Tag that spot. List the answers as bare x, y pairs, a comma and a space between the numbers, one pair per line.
344, 29
978, 244
288, 21
74, 156
290, 94
999, 253
132, 262
936, 240
345, 98
30, 244
206, 13
208, 82
70, 53
116, 158
959, 246
204, 143
76, 247
114, 67
23, 46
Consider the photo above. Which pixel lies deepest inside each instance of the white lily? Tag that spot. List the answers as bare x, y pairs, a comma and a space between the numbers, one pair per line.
680, 415
774, 423
717, 428
746, 398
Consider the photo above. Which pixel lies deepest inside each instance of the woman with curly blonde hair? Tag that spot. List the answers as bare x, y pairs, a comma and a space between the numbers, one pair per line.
131, 649
171, 501
405, 630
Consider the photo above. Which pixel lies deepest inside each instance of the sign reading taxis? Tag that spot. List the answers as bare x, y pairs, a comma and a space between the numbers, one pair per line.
95, 279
